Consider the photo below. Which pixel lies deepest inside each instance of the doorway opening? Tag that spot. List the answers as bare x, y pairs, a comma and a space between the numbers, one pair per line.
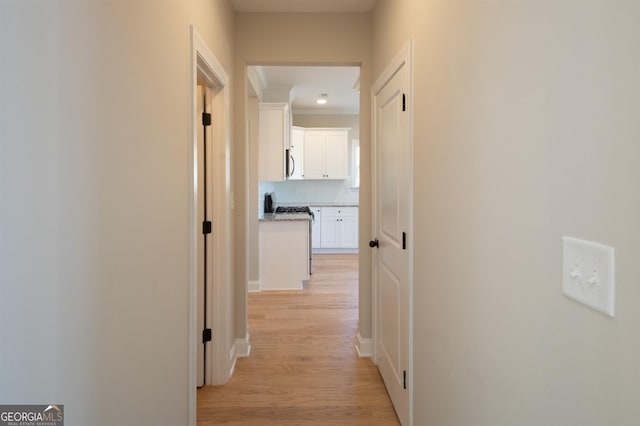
319, 163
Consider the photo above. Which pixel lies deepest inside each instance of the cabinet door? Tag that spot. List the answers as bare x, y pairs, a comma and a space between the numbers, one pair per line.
329, 231
297, 153
348, 232
336, 154
314, 152
273, 138
316, 227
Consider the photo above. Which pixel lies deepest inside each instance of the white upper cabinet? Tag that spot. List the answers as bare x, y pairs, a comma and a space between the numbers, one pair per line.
314, 151
325, 153
273, 140
296, 154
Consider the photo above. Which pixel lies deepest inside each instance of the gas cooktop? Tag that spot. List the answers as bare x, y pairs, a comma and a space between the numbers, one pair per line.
295, 209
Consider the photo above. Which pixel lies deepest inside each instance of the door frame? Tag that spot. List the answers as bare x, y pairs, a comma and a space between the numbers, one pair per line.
402, 58
205, 64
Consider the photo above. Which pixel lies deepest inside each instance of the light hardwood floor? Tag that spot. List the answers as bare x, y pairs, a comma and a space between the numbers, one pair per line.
303, 368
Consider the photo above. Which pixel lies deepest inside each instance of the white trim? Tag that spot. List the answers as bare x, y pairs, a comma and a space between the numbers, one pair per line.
255, 82
232, 360
324, 250
409, 59
356, 85
262, 78
403, 58
203, 60
232, 355
253, 286
364, 347
241, 349
243, 346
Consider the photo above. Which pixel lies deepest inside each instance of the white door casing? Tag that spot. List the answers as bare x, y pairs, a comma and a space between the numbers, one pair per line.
202, 90
392, 176
205, 68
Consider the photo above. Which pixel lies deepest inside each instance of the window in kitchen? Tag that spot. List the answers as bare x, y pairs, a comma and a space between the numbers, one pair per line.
355, 163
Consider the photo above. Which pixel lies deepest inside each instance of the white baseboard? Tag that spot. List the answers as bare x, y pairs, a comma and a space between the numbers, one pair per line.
243, 347
334, 251
232, 360
253, 286
364, 347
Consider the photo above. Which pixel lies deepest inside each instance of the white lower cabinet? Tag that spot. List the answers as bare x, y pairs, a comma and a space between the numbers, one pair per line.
348, 232
339, 228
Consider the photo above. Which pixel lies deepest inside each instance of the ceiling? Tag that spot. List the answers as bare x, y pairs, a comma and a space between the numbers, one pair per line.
321, 6
341, 84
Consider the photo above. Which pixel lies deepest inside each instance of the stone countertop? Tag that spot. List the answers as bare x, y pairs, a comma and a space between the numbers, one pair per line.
320, 204
267, 217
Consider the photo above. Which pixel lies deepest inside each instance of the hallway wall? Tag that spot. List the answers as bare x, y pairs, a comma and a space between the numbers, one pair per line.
94, 179
526, 129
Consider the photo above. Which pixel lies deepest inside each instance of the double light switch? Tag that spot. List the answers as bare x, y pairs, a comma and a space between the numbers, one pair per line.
588, 271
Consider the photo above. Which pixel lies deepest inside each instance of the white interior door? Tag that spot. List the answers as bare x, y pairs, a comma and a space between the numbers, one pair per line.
392, 228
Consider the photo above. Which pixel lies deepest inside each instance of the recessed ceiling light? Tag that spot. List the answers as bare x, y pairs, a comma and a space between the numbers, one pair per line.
322, 99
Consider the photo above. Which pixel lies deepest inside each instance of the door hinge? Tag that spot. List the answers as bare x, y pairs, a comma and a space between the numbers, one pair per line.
206, 227
404, 379
206, 119
206, 335
404, 102
404, 241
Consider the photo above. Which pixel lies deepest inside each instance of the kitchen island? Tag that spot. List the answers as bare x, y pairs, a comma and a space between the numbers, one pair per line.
284, 251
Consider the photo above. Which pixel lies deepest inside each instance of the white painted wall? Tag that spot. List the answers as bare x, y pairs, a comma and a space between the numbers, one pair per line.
94, 178
526, 129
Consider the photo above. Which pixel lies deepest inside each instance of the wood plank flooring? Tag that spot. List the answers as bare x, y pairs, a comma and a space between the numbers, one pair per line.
303, 368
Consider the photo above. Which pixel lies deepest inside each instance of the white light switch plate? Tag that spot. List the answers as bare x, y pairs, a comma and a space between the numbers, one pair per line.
588, 273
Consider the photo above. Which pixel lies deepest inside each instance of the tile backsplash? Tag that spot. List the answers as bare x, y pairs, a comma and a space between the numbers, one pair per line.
310, 191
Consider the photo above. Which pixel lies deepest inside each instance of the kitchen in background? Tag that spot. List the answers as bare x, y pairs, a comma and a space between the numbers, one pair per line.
308, 148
